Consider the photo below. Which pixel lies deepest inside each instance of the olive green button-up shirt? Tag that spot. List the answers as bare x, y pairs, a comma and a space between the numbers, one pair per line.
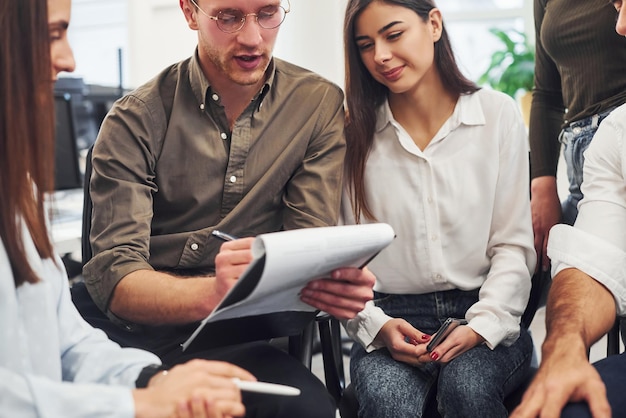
167, 170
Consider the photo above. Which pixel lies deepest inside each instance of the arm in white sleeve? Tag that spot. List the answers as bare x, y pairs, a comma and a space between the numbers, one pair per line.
28, 396
596, 244
87, 355
365, 326
504, 294
52, 363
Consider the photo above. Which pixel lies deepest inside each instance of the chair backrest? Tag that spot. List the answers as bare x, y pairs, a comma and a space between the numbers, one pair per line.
87, 209
613, 337
540, 285
67, 174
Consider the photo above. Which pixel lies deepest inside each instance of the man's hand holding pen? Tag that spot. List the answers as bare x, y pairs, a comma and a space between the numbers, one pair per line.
230, 263
343, 295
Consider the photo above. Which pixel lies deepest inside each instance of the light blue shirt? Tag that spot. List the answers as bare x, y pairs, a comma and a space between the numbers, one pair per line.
52, 363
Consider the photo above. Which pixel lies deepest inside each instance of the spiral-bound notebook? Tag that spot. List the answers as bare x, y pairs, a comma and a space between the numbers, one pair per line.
283, 263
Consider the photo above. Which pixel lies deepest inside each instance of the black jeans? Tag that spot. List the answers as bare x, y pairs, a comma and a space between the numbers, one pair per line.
265, 361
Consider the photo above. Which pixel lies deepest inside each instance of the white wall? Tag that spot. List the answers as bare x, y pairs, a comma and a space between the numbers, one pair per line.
310, 36
153, 34
158, 36
97, 30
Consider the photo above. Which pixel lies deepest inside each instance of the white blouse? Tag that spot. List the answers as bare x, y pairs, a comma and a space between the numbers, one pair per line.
52, 363
596, 244
461, 212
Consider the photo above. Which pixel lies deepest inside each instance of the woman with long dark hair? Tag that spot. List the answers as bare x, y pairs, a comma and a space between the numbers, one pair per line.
52, 363
446, 164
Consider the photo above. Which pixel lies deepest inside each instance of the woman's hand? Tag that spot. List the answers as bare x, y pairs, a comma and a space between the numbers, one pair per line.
545, 208
404, 342
461, 339
198, 389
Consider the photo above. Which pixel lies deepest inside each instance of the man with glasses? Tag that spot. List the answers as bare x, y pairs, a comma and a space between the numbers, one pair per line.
230, 139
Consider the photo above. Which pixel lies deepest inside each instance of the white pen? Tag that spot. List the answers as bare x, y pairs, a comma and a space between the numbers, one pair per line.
264, 387
223, 235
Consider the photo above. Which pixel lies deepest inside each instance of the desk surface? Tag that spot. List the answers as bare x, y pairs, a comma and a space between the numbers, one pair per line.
66, 219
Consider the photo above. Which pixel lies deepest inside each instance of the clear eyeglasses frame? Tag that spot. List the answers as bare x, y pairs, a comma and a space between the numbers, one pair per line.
233, 20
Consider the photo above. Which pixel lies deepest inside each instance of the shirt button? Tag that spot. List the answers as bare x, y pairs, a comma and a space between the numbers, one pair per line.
215, 97
201, 106
233, 179
194, 246
576, 130
430, 199
223, 135
438, 276
433, 237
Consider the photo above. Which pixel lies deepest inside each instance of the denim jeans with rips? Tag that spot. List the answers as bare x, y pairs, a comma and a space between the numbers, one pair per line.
576, 138
472, 385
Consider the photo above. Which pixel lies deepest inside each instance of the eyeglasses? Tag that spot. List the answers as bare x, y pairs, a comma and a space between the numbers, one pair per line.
233, 20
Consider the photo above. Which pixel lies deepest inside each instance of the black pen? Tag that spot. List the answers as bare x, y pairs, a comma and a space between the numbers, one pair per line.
223, 236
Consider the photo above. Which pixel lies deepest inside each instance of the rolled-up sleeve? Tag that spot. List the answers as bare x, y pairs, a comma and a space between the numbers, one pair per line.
122, 186
596, 244
569, 247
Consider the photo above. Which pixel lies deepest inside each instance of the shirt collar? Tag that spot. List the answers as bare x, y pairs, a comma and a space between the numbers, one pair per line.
467, 111
202, 88
197, 79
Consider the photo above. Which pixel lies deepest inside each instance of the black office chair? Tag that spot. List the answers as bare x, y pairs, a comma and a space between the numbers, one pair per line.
333, 352
613, 337
297, 328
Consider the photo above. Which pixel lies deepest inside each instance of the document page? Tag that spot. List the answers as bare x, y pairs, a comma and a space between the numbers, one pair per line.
284, 262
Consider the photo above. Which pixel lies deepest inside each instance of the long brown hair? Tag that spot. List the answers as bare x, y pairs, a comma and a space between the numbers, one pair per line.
364, 94
26, 131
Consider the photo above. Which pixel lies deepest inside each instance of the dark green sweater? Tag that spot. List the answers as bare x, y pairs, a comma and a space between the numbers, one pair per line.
580, 70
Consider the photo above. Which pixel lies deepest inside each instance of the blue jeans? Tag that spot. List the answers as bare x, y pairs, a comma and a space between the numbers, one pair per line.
576, 138
613, 373
472, 385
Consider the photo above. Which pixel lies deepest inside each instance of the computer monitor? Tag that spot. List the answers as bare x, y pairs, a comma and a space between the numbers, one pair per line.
67, 173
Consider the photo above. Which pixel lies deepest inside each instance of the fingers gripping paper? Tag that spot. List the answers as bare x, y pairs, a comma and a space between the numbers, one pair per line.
284, 262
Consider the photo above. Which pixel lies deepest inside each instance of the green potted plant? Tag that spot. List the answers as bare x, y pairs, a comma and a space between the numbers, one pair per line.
511, 69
